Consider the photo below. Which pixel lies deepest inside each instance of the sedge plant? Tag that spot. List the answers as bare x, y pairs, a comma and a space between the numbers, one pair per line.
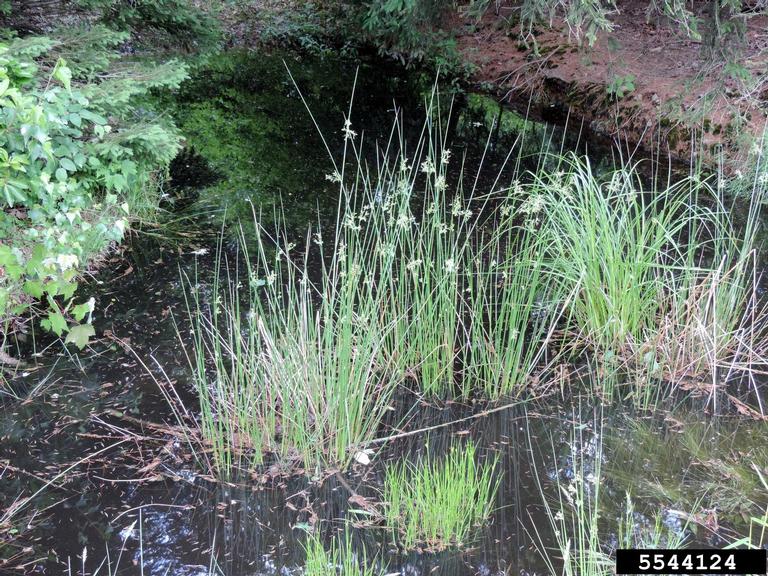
660, 277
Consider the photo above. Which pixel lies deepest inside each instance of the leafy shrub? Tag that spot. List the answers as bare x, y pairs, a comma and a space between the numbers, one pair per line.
69, 163
407, 30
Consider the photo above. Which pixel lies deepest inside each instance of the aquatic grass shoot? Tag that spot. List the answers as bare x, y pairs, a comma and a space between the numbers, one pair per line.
338, 560
511, 313
576, 509
635, 531
437, 503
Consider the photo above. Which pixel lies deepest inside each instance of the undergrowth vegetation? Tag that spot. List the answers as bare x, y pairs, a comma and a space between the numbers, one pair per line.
77, 164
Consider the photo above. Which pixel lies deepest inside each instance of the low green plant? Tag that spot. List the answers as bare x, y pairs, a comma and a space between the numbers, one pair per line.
620, 86
339, 560
660, 278
440, 502
757, 535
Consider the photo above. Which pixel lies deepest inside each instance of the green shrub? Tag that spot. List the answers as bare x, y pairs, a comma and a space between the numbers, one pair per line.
179, 19
72, 169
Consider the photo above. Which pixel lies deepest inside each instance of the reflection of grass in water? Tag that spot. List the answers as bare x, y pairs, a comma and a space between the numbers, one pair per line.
720, 465
440, 502
579, 517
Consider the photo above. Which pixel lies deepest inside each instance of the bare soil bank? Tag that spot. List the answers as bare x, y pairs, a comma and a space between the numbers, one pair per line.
643, 84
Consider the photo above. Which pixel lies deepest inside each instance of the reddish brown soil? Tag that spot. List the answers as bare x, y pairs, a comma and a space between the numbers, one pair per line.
680, 96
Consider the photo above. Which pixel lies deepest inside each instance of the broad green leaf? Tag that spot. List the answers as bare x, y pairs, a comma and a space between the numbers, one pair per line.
10, 263
57, 323
34, 288
63, 74
81, 310
67, 164
93, 117
79, 335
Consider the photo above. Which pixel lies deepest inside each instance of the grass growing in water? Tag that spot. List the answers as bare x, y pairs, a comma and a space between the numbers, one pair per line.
577, 513
439, 503
339, 560
407, 286
660, 277
512, 310
296, 374
303, 362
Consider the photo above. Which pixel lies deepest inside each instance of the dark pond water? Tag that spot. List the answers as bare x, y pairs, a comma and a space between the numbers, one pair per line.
114, 493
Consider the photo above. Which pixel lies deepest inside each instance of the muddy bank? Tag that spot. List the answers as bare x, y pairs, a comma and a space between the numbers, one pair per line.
643, 85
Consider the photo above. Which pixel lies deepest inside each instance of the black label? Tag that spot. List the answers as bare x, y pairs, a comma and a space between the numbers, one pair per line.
690, 561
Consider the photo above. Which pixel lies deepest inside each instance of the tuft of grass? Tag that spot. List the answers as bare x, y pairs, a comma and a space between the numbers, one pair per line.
662, 279
339, 560
439, 503
293, 368
610, 240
